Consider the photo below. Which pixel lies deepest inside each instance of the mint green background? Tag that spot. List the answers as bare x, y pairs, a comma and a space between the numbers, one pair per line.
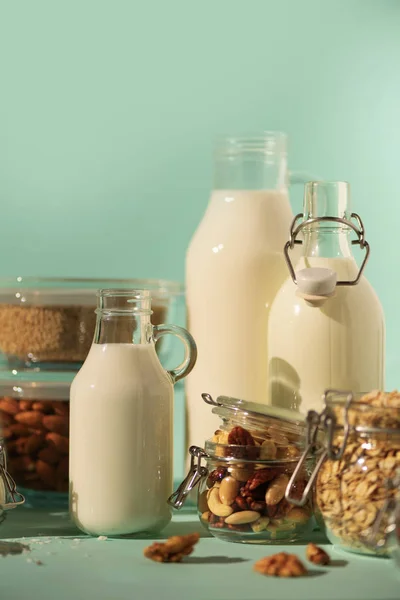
108, 110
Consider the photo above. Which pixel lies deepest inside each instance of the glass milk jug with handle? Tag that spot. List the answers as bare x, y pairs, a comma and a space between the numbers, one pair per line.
234, 267
121, 417
326, 327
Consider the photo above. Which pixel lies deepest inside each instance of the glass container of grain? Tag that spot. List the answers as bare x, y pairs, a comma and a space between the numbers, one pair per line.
49, 323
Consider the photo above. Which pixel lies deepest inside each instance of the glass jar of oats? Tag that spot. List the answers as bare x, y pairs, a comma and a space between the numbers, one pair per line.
350, 483
243, 472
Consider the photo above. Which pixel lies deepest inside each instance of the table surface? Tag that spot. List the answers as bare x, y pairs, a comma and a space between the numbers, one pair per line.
75, 566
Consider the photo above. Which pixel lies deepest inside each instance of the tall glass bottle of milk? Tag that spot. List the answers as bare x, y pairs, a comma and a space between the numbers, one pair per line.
326, 327
121, 420
234, 267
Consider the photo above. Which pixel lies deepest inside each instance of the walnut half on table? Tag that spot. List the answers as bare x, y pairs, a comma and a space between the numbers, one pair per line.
173, 550
281, 564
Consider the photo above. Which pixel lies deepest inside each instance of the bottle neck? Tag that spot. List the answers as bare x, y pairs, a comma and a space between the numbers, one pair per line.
117, 329
327, 238
327, 243
255, 163
123, 317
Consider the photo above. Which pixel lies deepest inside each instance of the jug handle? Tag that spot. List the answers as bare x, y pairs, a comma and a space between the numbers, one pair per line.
190, 349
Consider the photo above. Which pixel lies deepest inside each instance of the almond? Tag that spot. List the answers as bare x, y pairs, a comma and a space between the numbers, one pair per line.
60, 442
49, 455
30, 418
19, 429
7, 433
40, 406
46, 473
61, 408
33, 443
6, 419
20, 445
21, 463
56, 424
276, 489
62, 469
9, 405
24, 405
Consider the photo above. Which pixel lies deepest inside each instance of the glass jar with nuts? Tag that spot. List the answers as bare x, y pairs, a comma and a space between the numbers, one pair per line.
242, 483
361, 456
34, 425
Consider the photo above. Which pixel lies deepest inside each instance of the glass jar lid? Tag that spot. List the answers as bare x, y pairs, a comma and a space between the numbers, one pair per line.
375, 412
261, 419
29, 384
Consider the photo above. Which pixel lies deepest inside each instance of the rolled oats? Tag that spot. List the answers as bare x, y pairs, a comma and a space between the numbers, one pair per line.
350, 492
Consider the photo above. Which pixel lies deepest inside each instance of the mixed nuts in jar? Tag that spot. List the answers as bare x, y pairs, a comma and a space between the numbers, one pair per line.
241, 488
361, 456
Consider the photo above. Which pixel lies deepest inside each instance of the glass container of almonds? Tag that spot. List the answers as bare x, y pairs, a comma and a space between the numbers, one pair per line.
361, 455
243, 471
34, 422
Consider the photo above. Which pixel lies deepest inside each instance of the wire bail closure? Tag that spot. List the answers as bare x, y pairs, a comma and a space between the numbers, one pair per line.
316, 421
194, 476
9, 483
358, 229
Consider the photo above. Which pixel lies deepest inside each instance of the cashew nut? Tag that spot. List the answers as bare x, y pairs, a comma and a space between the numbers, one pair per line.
215, 505
215, 486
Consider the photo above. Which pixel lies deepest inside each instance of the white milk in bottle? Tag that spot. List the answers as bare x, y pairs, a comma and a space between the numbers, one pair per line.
326, 329
121, 413
234, 268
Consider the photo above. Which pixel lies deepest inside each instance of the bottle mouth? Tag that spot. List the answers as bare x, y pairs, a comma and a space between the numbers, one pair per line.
327, 199
266, 142
123, 302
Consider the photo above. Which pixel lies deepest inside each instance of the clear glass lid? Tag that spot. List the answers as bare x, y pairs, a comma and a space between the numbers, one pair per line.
260, 417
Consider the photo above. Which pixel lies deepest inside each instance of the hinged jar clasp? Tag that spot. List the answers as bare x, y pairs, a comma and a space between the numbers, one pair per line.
10, 487
326, 420
194, 476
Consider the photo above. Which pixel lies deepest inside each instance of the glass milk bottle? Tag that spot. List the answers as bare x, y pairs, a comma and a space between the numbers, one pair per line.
326, 327
121, 413
234, 267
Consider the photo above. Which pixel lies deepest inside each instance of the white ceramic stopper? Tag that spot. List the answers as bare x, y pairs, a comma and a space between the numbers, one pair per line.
316, 281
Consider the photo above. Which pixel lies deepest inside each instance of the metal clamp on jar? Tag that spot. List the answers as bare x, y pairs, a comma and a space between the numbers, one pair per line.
9, 496
362, 452
248, 462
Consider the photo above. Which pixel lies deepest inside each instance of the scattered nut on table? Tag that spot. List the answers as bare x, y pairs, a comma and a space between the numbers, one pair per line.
174, 549
317, 555
281, 564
